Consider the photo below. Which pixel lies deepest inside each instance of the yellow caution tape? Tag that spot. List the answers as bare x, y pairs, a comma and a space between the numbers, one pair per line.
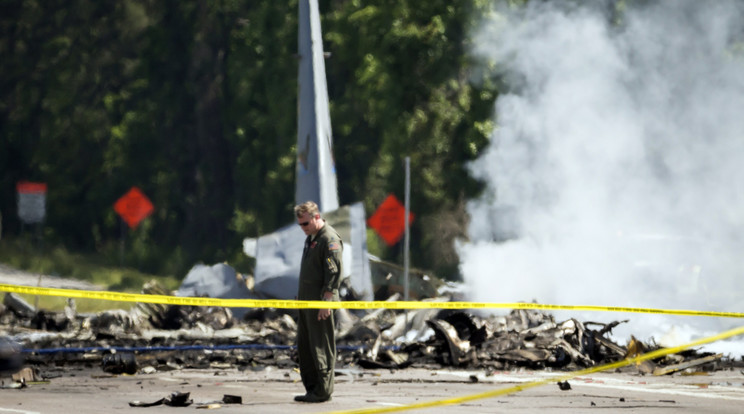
570, 375
318, 304
300, 304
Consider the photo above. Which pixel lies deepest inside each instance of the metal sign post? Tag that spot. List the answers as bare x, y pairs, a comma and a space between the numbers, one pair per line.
406, 238
133, 207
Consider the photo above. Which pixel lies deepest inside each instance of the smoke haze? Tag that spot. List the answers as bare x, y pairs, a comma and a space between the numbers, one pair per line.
615, 174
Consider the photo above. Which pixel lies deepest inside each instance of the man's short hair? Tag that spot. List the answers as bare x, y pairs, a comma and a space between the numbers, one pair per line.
306, 207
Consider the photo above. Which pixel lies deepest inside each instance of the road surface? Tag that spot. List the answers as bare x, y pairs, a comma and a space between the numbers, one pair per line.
12, 276
88, 390
271, 390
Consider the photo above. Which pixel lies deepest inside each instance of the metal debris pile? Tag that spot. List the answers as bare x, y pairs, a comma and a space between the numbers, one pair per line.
148, 338
528, 339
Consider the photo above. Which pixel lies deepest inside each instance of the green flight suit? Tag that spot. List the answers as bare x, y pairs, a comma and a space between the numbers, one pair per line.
321, 271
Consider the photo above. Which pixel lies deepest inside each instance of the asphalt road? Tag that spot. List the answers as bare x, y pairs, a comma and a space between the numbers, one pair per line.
12, 276
271, 390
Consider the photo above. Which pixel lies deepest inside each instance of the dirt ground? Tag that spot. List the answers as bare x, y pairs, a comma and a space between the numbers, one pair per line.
271, 390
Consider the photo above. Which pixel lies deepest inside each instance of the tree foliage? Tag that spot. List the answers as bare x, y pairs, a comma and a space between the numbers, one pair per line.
195, 103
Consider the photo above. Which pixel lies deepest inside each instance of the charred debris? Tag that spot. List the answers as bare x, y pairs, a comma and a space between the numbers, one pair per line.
153, 337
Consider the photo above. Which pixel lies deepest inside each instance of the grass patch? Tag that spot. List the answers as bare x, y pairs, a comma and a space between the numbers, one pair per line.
56, 304
58, 261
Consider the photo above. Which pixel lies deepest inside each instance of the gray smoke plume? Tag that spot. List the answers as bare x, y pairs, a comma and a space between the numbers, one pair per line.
616, 174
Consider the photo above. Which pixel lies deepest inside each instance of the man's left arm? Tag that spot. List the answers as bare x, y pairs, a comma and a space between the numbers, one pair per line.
331, 275
332, 269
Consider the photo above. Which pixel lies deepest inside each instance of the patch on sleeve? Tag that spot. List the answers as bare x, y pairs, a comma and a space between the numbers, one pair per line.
331, 265
332, 246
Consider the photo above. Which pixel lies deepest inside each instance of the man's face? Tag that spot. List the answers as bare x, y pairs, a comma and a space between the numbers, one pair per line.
309, 223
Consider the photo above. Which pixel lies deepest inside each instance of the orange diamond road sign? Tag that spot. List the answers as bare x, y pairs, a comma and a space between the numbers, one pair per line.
133, 207
389, 220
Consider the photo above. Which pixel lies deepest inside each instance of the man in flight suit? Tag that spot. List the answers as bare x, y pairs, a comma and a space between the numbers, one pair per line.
320, 278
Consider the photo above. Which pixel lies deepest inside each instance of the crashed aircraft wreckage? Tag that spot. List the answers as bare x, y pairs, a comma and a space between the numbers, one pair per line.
151, 337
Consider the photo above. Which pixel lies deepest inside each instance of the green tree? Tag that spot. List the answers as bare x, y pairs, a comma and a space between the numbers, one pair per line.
402, 85
195, 103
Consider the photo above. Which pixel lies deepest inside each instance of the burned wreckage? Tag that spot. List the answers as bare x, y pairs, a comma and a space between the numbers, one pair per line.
154, 337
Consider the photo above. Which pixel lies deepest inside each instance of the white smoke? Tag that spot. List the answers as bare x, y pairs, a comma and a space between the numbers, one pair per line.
618, 160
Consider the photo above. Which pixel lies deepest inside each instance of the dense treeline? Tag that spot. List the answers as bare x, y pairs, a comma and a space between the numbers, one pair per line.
195, 103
